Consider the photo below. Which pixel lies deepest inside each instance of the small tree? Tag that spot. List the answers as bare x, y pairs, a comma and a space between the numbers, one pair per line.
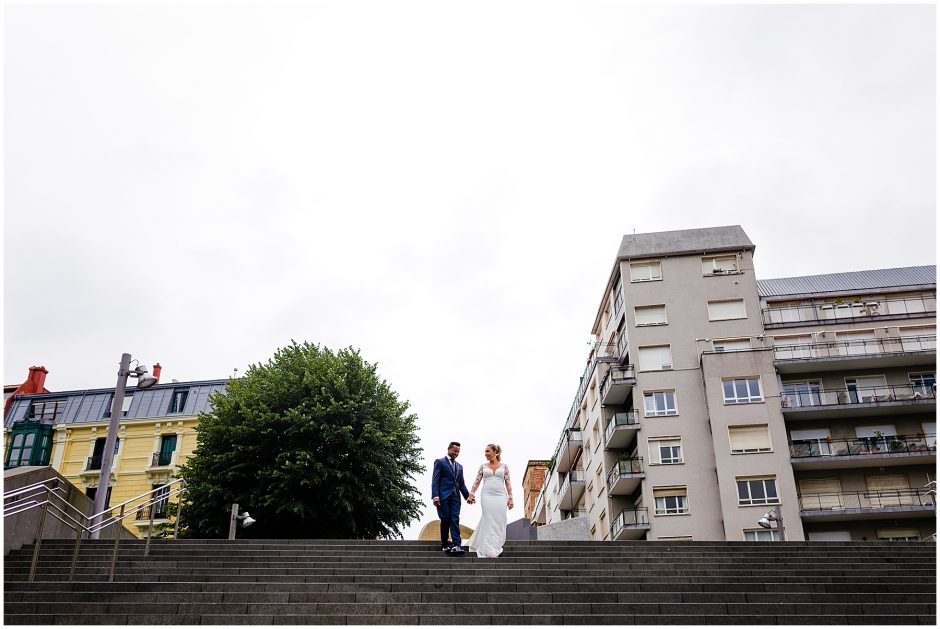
313, 444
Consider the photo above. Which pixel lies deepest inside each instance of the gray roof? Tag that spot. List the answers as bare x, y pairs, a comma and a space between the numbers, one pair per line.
684, 241
90, 405
908, 277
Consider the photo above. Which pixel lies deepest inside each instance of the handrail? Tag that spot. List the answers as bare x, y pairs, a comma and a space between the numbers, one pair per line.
47, 507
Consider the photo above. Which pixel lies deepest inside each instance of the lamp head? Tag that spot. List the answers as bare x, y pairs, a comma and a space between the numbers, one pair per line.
143, 380
764, 522
248, 520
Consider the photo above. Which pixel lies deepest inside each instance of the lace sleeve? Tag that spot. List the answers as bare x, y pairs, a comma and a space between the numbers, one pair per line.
479, 478
506, 480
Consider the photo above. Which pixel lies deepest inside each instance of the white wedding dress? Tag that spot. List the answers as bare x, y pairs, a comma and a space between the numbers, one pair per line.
490, 535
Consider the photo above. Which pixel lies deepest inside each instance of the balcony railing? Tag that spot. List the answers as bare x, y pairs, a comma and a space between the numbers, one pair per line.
893, 444
625, 467
623, 419
575, 475
868, 308
617, 375
93, 463
858, 395
864, 500
842, 349
631, 517
577, 513
161, 459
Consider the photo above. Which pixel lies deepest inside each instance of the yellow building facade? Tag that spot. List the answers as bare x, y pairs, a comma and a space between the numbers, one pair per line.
156, 435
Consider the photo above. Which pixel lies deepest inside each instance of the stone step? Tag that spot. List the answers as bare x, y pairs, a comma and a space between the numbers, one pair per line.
223, 596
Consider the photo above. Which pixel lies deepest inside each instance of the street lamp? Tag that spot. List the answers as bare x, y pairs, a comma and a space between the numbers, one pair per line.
143, 381
246, 520
774, 515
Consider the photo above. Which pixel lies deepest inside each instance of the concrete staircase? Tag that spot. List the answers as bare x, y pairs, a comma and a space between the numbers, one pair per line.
411, 582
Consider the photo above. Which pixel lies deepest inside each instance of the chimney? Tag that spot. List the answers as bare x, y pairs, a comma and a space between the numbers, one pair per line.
36, 381
156, 372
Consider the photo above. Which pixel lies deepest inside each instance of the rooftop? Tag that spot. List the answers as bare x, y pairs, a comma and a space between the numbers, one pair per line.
911, 277
684, 241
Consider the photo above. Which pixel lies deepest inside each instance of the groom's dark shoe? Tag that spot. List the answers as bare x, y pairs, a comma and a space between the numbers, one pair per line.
457, 550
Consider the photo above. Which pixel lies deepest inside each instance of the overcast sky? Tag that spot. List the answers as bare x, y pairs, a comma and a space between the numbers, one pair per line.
442, 185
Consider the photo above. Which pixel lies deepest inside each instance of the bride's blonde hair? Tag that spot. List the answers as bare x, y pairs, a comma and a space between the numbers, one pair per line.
497, 450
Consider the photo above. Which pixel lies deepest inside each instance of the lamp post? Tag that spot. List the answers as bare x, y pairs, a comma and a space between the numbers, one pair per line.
117, 404
774, 515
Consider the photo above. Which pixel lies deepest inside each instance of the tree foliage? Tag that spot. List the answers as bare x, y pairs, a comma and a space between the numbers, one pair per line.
313, 444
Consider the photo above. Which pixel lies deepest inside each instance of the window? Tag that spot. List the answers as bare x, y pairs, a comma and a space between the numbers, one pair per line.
95, 462
162, 499
618, 298
924, 384
758, 490
125, 405
671, 500
655, 357
760, 535
742, 390
793, 346
749, 439
646, 271
167, 447
714, 265
724, 309
659, 403
866, 389
92, 491
919, 339
665, 450
898, 535
30, 443
50, 410
731, 345
650, 315
798, 394
675, 538
178, 401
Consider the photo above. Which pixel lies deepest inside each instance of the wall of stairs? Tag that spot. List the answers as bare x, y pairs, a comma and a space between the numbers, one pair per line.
534, 582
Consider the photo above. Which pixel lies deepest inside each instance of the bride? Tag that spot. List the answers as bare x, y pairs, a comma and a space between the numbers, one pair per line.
490, 535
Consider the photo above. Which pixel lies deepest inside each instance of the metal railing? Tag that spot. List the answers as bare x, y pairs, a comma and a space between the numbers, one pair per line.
576, 513
575, 475
93, 463
46, 496
625, 467
161, 459
863, 500
888, 444
618, 374
631, 516
843, 349
856, 395
867, 308
621, 420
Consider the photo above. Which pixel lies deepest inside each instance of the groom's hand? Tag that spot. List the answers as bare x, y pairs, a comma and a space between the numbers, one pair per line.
436, 501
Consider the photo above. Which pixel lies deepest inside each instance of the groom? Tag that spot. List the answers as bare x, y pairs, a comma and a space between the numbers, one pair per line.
447, 485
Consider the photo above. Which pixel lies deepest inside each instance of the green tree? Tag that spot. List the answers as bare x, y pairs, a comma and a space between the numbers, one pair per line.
313, 444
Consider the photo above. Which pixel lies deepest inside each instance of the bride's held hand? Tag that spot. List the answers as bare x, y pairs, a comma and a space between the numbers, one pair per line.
509, 503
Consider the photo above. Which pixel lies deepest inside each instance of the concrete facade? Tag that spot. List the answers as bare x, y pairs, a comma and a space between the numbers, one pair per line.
690, 422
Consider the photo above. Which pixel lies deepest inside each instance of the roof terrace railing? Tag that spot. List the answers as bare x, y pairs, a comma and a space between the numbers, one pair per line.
864, 500
848, 309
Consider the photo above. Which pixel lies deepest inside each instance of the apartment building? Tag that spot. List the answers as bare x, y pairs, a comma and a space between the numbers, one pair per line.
710, 396
67, 430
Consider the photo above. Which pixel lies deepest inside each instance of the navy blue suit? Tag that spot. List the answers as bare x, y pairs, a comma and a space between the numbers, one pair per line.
448, 484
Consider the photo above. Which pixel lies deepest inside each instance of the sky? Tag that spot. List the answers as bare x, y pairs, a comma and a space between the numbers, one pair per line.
442, 185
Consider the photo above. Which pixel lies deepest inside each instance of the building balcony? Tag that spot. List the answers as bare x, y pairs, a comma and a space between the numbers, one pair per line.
621, 429
815, 454
616, 385
571, 488
632, 523
869, 353
866, 505
625, 476
161, 467
569, 447
890, 399
867, 310
570, 515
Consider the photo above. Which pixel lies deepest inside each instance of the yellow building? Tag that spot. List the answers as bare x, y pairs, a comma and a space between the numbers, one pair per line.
67, 430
